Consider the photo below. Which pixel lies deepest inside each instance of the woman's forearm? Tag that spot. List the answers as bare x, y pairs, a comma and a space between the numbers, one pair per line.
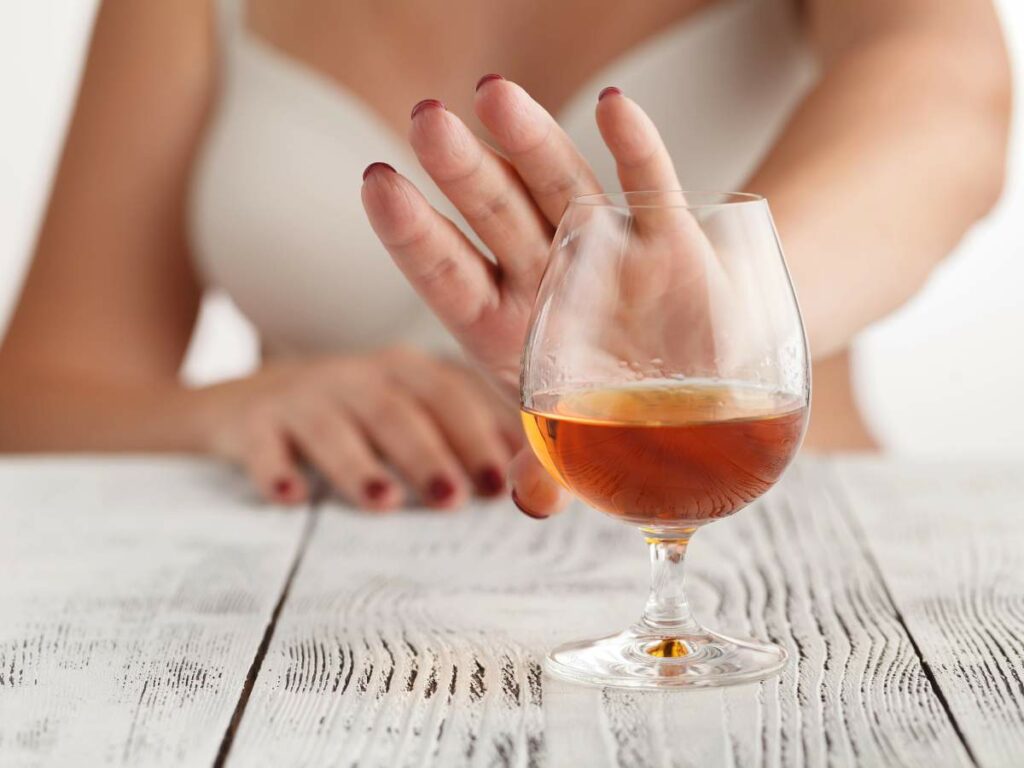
48, 413
894, 154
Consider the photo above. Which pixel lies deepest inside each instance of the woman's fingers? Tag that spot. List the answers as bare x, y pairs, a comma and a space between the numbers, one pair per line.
443, 266
458, 283
534, 491
408, 439
544, 156
485, 188
683, 261
334, 444
338, 435
464, 416
270, 463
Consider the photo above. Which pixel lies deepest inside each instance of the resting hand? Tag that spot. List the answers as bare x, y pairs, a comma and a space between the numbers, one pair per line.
377, 427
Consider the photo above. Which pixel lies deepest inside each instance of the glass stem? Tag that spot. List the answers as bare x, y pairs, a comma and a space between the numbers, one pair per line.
667, 610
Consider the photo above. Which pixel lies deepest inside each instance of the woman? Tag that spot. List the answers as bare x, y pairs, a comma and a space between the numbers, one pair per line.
221, 145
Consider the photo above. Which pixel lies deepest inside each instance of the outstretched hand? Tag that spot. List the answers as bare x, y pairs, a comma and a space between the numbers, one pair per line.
512, 197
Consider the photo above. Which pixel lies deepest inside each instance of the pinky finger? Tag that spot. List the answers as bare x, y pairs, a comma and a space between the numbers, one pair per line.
272, 467
641, 158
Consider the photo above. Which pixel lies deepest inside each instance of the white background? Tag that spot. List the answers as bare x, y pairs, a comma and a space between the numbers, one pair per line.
945, 375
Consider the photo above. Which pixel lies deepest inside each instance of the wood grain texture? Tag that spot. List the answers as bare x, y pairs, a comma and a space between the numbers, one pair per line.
417, 639
948, 539
133, 597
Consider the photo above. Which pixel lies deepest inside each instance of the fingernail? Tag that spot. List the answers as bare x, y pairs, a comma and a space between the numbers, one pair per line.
375, 489
487, 79
420, 106
611, 89
490, 481
374, 166
524, 510
440, 488
282, 487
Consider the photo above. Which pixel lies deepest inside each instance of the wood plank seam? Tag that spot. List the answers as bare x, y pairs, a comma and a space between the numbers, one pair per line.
268, 634
387, 614
135, 592
845, 505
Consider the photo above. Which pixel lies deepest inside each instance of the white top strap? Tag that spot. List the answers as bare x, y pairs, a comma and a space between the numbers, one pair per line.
230, 20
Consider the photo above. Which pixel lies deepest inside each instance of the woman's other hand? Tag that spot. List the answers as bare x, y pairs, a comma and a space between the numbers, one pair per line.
379, 428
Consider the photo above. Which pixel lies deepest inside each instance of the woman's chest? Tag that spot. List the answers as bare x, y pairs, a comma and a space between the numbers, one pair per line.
393, 54
276, 216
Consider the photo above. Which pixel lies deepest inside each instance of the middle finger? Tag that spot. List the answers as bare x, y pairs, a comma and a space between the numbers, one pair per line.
484, 187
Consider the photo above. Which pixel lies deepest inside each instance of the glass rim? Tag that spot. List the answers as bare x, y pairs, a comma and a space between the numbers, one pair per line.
692, 199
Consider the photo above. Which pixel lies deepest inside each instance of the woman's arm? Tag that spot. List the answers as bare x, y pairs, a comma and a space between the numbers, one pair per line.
893, 155
898, 149
91, 356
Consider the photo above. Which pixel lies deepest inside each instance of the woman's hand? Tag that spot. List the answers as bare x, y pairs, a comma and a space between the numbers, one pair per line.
513, 201
375, 427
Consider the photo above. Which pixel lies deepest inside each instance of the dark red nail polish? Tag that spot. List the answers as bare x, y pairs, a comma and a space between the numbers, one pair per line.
421, 105
440, 488
490, 481
611, 89
282, 487
487, 79
374, 166
375, 489
524, 510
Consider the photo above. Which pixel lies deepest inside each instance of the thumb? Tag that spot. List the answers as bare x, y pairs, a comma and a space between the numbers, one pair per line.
534, 491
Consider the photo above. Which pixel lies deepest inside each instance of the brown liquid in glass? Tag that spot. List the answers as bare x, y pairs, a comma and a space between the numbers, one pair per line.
668, 456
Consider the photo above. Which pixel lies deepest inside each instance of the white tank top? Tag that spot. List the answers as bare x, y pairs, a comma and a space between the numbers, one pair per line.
276, 216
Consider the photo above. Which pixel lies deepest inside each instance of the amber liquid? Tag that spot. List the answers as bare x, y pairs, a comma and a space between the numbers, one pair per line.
666, 456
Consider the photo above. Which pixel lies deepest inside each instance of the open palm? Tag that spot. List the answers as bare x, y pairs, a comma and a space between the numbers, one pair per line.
513, 198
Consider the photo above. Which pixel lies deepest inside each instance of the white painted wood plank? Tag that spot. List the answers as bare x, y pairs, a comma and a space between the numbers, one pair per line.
949, 542
416, 639
134, 594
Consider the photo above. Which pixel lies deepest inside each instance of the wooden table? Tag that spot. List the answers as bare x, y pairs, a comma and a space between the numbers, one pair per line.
153, 613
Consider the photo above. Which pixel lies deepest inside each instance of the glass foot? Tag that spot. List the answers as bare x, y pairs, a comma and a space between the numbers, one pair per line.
641, 658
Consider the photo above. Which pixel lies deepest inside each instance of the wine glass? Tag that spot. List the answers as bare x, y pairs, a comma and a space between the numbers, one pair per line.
665, 382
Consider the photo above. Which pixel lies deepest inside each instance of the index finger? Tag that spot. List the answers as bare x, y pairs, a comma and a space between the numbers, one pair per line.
542, 153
